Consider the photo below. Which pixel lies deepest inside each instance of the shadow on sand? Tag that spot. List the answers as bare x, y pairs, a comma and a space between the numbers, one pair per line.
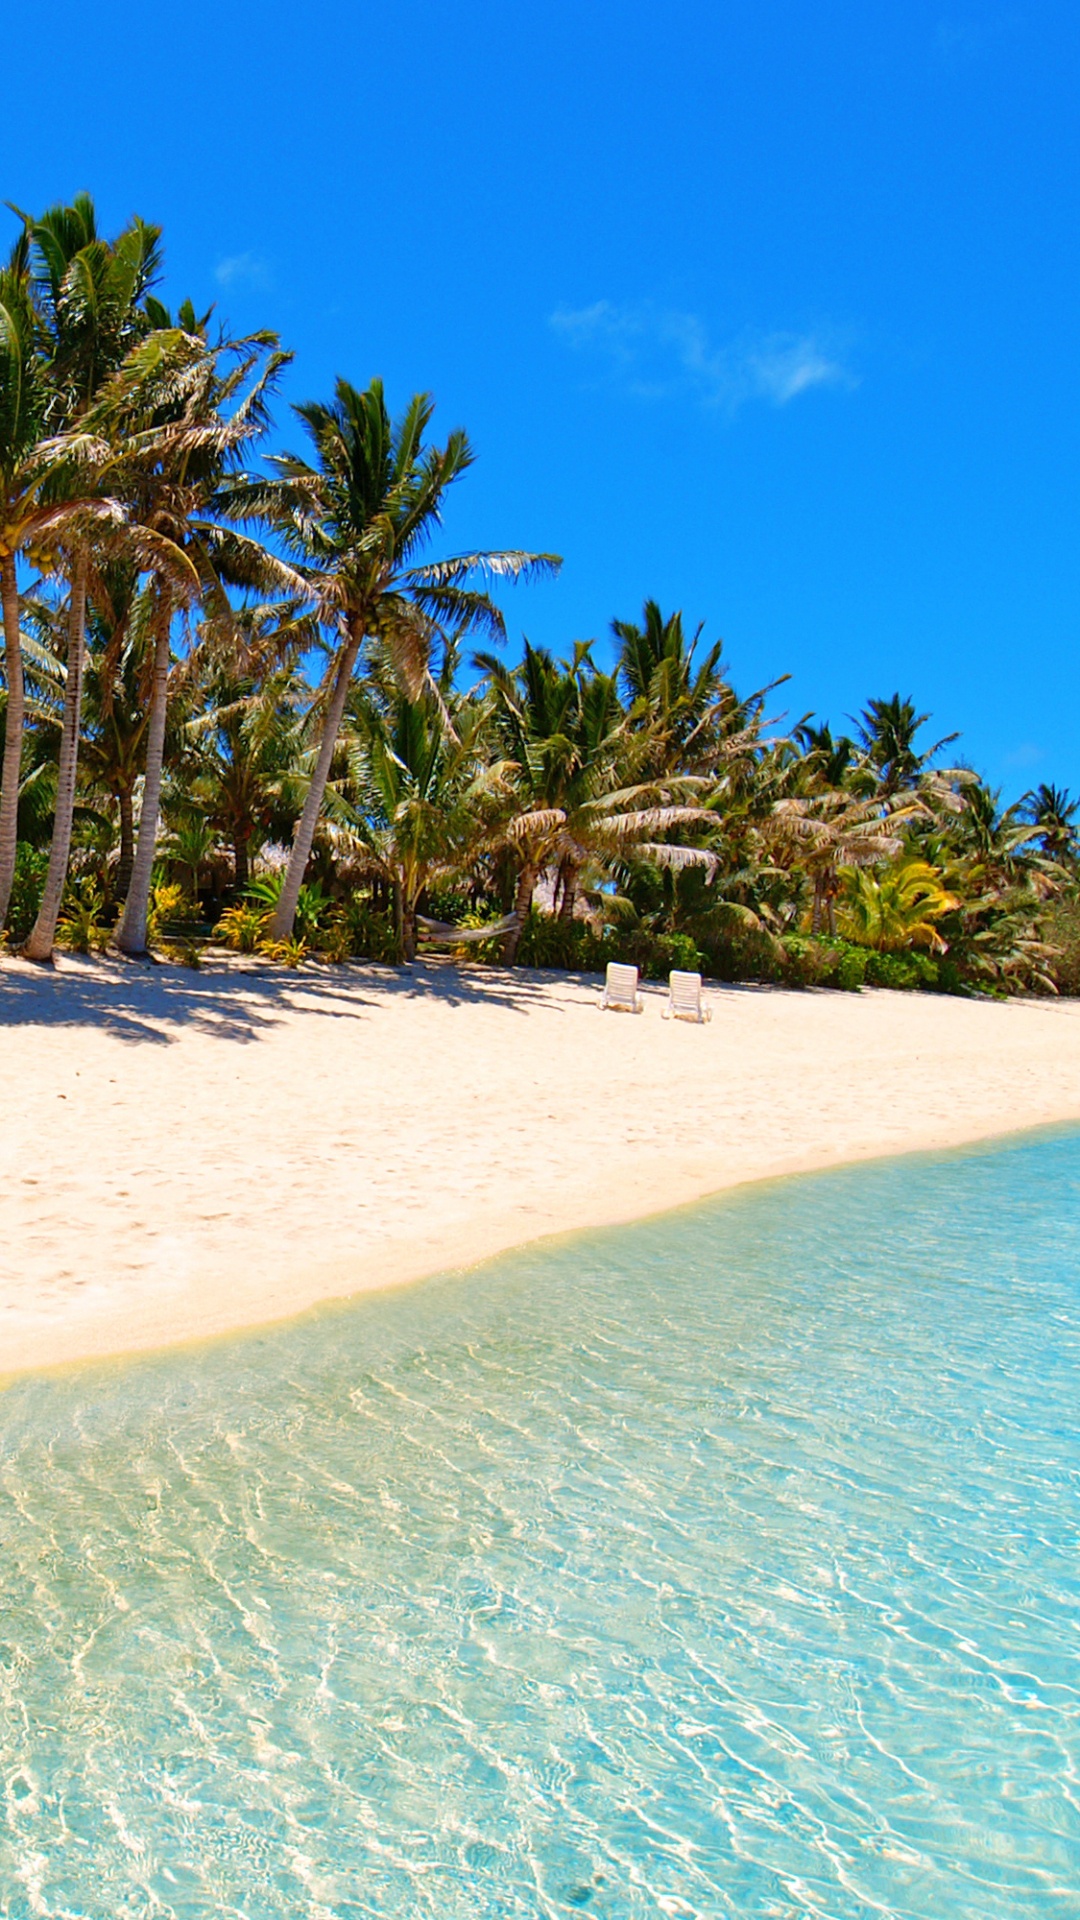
235, 1000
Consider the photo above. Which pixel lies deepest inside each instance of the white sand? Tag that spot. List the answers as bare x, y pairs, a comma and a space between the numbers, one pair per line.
185, 1153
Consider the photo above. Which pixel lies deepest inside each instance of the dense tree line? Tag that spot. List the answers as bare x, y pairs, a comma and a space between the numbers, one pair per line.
244, 698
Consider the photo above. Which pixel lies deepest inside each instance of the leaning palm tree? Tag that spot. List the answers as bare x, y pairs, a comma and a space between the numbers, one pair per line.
354, 523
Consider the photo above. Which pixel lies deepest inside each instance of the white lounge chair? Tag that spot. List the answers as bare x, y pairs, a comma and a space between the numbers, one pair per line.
620, 990
685, 1000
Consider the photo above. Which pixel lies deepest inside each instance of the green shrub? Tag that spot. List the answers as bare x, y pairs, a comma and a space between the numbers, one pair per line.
168, 904
808, 961
748, 954
311, 905
288, 953
851, 968
1061, 930
570, 944
357, 929
826, 961
31, 866
822, 960
577, 946
80, 926
655, 954
241, 927
450, 904
905, 972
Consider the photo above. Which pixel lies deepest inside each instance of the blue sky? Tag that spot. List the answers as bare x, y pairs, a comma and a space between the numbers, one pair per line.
766, 310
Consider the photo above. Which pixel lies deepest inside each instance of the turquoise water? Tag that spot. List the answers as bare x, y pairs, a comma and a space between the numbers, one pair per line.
724, 1565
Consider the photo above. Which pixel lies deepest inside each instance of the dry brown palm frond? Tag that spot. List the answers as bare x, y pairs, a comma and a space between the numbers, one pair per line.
656, 790
79, 447
677, 858
541, 820
624, 826
52, 522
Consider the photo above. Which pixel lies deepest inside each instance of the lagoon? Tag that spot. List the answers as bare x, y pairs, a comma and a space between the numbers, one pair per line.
725, 1564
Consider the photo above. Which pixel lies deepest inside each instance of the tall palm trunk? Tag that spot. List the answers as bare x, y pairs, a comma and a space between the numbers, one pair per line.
397, 903
408, 927
526, 887
241, 862
126, 804
281, 925
569, 892
13, 730
40, 944
132, 937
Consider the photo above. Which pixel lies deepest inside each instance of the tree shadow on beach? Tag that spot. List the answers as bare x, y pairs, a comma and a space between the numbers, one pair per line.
234, 1000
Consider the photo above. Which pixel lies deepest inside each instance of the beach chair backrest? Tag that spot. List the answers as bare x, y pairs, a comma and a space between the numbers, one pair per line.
620, 985
685, 990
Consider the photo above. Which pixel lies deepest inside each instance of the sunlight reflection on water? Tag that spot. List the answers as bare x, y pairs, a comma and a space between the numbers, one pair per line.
722, 1565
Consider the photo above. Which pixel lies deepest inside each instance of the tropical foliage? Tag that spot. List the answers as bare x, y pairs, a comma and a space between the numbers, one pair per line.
247, 700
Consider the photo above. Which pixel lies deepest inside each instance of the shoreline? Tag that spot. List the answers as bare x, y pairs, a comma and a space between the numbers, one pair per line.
186, 1156
337, 1296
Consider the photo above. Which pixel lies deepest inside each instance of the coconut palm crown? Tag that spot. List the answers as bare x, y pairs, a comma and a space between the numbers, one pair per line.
354, 522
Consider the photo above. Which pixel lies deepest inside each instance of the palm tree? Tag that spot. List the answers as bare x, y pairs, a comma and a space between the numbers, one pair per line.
539, 719
825, 831
113, 751
90, 296
572, 758
1052, 812
887, 734
355, 523
194, 415
896, 908
829, 760
247, 754
666, 687
423, 783
34, 506
1000, 841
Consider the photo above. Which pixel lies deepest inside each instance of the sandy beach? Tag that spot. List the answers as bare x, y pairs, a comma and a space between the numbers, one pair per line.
185, 1153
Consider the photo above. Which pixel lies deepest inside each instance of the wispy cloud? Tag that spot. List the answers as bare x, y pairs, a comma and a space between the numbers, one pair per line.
656, 352
1025, 755
242, 270
961, 40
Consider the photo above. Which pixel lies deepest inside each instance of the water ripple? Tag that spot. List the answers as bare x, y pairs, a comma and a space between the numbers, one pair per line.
725, 1565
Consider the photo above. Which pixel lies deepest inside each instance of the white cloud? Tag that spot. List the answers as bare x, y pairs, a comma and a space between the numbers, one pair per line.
1025, 755
242, 270
657, 352
960, 41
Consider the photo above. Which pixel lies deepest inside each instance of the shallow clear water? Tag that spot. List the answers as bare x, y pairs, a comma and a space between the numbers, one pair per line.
724, 1565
